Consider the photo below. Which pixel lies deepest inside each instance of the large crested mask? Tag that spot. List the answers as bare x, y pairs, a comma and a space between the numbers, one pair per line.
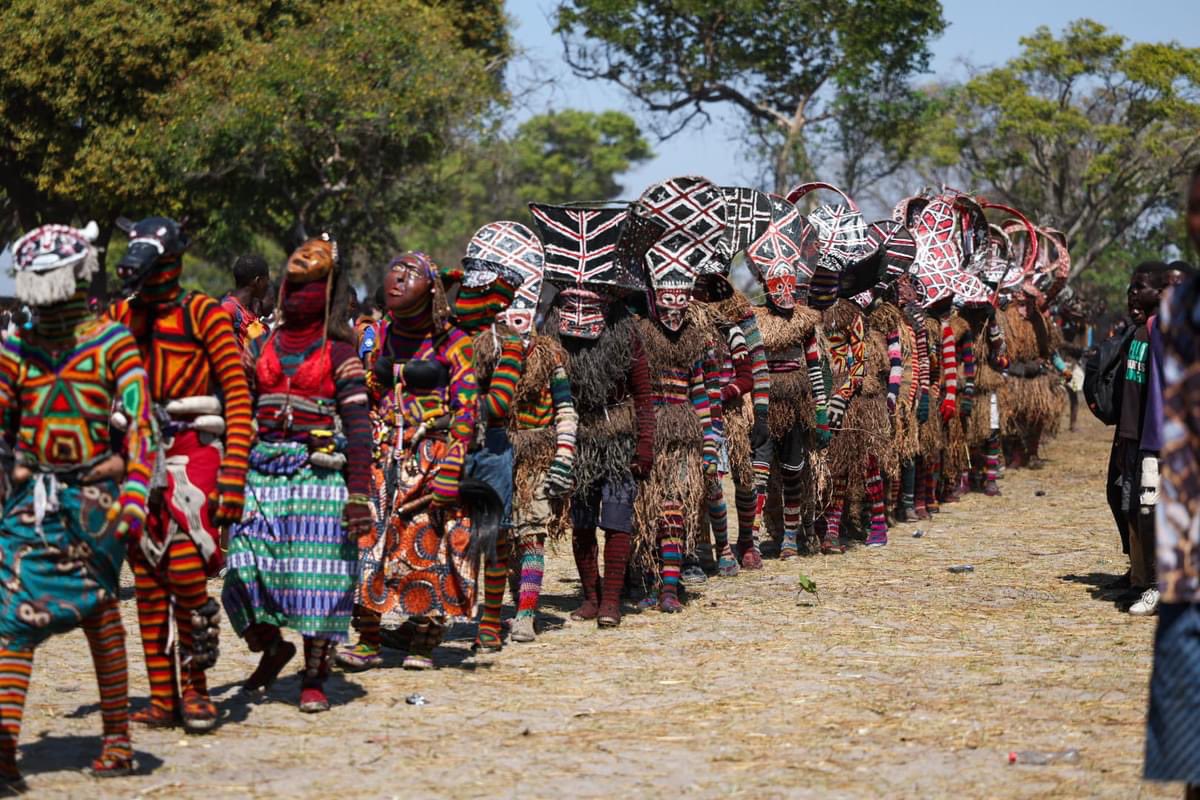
689, 212
747, 215
516, 248
939, 265
891, 253
313, 260
1054, 263
836, 241
582, 259
155, 244
581, 313
51, 261
775, 257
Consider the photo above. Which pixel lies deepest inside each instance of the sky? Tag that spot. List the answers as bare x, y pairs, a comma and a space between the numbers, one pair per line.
979, 32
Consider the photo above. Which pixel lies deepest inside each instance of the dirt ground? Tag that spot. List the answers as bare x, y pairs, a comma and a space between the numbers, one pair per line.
904, 681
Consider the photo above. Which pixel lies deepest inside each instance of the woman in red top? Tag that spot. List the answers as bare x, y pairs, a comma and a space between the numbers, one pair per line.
293, 559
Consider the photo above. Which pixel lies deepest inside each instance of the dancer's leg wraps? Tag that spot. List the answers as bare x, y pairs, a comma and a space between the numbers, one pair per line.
533, 565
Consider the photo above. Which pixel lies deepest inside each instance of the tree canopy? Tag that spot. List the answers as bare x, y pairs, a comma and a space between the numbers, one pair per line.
792, 68
1084, 131
250, 117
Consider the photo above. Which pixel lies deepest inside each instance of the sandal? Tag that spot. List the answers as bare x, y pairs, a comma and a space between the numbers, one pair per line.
359, 658
199, 713
154, 716
115, 759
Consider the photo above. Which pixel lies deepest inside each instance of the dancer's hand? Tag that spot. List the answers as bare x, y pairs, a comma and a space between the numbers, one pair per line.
558, 479
229, 497
837, 412
444, 486
643, 461
948, 409
131, 518
824, 434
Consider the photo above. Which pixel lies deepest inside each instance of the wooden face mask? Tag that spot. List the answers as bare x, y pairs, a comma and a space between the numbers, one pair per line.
312, 260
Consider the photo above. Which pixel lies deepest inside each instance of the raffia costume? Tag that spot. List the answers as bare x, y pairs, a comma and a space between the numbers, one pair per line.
610, 385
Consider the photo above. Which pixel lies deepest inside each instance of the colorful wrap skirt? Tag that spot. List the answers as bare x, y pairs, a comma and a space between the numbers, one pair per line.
54, 578
417, 564
290, 561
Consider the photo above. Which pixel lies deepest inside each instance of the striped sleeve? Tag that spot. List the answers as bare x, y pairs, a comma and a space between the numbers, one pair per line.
698, 390
349, 384
502, 387
133, 391
895, 368
949, 372
215, 330
758, 363
566, 421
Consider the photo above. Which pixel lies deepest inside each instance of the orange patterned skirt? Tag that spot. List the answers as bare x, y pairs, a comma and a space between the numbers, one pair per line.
417, 564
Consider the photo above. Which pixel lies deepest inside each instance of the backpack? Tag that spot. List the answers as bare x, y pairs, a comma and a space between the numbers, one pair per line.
1104, 377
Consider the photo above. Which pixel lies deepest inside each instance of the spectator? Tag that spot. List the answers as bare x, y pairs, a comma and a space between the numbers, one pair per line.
244, 303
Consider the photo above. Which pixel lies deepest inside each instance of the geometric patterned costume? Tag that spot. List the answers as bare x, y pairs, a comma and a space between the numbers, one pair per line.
75, 498
199, 390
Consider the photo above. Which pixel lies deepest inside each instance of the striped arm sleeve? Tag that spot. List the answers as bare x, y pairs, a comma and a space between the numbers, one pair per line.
566, 421
133, 391
215, 330
895, 369
497, 403
758, 363
349, 381
699, 396
949, 373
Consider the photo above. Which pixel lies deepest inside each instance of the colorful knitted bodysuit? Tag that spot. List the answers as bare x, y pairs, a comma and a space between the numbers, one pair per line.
61, 564
187, 344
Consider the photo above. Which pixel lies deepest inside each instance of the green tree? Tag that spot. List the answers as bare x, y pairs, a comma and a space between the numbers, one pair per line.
791, 68
250, 117
550, 158
1086, 132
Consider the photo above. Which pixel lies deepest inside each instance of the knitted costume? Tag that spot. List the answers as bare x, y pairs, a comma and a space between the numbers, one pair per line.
196, 378
74, 496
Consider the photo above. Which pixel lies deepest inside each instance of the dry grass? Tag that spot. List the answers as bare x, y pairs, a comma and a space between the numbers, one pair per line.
904, 681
